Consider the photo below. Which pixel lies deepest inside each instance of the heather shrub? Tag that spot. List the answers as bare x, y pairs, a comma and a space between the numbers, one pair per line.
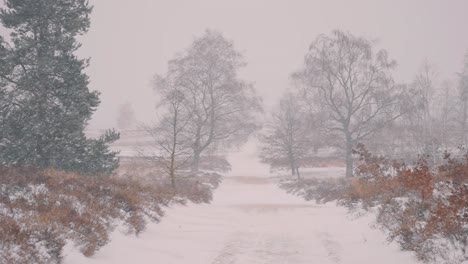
423, 208
40, 210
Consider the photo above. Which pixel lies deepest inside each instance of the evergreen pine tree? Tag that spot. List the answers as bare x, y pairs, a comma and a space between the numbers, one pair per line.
44, 93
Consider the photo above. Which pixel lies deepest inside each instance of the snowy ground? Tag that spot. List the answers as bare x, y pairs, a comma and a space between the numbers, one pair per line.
252, 221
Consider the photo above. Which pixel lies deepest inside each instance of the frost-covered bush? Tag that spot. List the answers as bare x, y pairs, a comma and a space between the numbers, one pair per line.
424, 209
40, 210
29, 241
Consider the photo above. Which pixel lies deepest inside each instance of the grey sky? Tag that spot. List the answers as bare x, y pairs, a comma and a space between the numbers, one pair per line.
130, 41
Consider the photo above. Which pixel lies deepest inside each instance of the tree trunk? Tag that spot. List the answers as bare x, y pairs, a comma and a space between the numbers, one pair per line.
174, 147
172, 170
292, 164
196, 161
173, 183
349, 156
196, 152
298, 174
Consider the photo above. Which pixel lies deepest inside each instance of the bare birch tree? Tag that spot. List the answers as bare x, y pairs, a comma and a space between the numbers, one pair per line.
433, 120
224, 108
288, 140
428, 125
425, 84
170, 134
354, 85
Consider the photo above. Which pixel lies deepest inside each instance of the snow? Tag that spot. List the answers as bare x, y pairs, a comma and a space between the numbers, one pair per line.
251, 220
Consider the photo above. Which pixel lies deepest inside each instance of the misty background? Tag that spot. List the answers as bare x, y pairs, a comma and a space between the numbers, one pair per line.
343, 140
130, 41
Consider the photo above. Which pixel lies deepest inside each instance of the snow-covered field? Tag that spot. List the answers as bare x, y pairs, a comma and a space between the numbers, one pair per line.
251, 220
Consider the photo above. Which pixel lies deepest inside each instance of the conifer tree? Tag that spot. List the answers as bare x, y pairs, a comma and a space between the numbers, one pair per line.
44, 93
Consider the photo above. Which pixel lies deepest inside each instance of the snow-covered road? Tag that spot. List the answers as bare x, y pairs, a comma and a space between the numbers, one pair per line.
252, 221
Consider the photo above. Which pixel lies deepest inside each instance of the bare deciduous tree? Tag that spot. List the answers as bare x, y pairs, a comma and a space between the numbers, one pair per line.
288, 140
425, 84
431, 121
354, 85
447, 109
428, 124
170, 135
224, 108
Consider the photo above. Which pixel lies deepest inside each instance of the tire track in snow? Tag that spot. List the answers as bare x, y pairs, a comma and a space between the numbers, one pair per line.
255, 248
333, 248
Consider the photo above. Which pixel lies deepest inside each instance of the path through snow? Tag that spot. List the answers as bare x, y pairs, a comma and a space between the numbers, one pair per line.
252, 221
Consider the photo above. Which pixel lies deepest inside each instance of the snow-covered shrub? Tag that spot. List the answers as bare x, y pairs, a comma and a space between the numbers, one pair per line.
28, 241
41, 209
424, 209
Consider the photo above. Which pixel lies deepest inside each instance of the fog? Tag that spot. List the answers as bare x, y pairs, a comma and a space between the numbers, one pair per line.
233, 132
130, 41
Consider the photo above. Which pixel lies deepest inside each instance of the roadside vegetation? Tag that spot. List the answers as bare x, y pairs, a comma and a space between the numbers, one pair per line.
42, 210
422, 208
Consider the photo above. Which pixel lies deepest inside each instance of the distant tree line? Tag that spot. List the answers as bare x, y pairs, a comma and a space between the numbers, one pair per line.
345, 94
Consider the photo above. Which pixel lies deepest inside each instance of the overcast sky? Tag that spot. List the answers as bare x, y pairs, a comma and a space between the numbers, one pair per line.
130, 41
